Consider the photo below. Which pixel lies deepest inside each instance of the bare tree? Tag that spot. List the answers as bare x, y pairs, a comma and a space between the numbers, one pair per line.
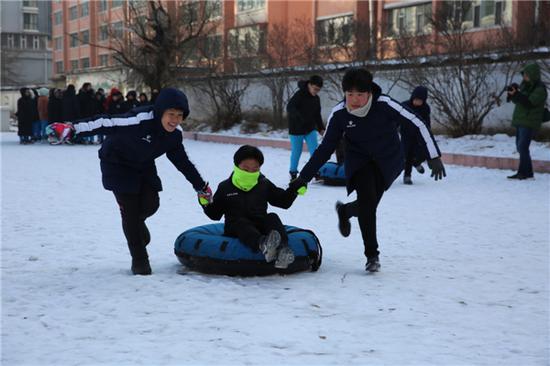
461, 73
9, 62
157, 38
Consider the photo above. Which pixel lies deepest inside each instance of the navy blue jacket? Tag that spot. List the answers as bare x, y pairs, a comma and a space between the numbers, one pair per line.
409, 136
371, 138
135, 139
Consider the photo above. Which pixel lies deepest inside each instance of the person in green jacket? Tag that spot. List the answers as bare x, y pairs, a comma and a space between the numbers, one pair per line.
529, 99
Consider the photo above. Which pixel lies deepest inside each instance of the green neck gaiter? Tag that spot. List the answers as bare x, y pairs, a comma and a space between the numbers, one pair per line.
244, 180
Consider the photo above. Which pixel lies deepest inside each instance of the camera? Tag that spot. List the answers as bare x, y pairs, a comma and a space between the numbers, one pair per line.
512, 87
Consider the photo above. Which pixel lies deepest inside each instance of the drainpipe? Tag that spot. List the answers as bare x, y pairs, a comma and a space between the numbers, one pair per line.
371, 29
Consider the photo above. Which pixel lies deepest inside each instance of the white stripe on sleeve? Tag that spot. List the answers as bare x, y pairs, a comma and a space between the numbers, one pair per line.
414, 119
335, 109
112, 122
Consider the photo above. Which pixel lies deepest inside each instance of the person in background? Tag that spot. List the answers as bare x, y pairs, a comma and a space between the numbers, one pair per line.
55, 106
304, 120
154, 95
143, 99
87, 108
131, 101
26, 114
42, 107
71, 107
529, 98
409, 137
114, 102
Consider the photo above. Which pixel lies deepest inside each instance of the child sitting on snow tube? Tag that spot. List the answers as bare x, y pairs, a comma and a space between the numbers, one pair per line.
243, 199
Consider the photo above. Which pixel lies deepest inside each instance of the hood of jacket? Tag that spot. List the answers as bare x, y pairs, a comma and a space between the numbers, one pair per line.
533, 71
170, 98
43, 92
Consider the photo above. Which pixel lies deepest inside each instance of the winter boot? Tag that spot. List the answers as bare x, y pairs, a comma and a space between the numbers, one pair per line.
407, 180
343, 220
293, 175
141, 266
284, 258
269, 244
419, 168
373, 264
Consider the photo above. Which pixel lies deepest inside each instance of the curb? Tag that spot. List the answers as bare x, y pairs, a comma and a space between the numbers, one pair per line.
490, 162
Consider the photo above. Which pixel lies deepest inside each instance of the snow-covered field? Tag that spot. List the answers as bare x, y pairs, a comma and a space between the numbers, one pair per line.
499, 145
464, 279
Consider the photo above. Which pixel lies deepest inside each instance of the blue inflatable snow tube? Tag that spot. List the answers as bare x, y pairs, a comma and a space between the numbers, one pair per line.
206, 249
333, 174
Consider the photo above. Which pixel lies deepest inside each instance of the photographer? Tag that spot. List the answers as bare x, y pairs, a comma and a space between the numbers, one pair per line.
529, 98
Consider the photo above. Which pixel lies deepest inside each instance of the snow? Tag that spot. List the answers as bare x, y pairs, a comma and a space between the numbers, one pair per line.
464, 278
498, 145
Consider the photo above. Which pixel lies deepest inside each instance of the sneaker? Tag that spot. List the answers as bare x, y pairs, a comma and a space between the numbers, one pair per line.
141, 267
293, 175
269, 245
343, 220
419, 168
407, 180
284, 258
146, 234
373, 264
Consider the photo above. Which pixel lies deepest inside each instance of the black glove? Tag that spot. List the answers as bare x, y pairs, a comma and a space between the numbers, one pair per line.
296, 184
438, 170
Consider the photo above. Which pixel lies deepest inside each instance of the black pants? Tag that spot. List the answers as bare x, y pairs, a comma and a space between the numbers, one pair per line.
369, 184
249, 231
134, 209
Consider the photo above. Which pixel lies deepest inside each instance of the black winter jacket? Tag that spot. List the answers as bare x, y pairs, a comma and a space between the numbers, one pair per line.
27, 113
371, 138
134, 140
304, 112
235, 203
71, 106
409, 134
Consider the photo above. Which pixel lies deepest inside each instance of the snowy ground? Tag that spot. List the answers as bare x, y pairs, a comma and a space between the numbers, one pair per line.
464, 280
499, 145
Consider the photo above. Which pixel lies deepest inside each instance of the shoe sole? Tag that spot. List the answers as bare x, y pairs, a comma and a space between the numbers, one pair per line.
284, 259
271, 245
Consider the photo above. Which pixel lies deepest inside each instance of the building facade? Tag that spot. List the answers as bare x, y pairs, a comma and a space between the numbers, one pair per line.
247, 30
25, 36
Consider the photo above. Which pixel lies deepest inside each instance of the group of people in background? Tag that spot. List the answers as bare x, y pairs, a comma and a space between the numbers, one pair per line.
38, 109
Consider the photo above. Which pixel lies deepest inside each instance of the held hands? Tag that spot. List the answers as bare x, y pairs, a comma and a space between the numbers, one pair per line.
205, 195
438, 170
298, 185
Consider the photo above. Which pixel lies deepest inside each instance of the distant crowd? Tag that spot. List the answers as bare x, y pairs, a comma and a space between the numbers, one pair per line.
39, 108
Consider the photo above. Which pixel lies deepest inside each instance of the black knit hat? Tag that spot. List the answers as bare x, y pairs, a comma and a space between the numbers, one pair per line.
248, 152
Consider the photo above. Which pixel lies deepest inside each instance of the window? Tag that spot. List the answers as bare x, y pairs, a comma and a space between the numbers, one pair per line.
30, 21
59, 67
74, 65
335, 31
73, 12
58, 43
116, 3
84, 9
73, 40
11, 42
85, 63
117, 29
213, 46
478, 13
102, 5
246, 41
249, 5
35, 43
409, 20
58, 17
85, 37
213, 9
190, 11
23, 42
103, 32
30, 3
103, 60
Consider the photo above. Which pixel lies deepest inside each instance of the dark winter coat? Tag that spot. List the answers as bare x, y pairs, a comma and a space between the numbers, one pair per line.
116, 107
27, 113
86, 103
235, 203
99, 101
409, 133
71, 107
530, 100
304, 112
55, 109
371, 138
134, 140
